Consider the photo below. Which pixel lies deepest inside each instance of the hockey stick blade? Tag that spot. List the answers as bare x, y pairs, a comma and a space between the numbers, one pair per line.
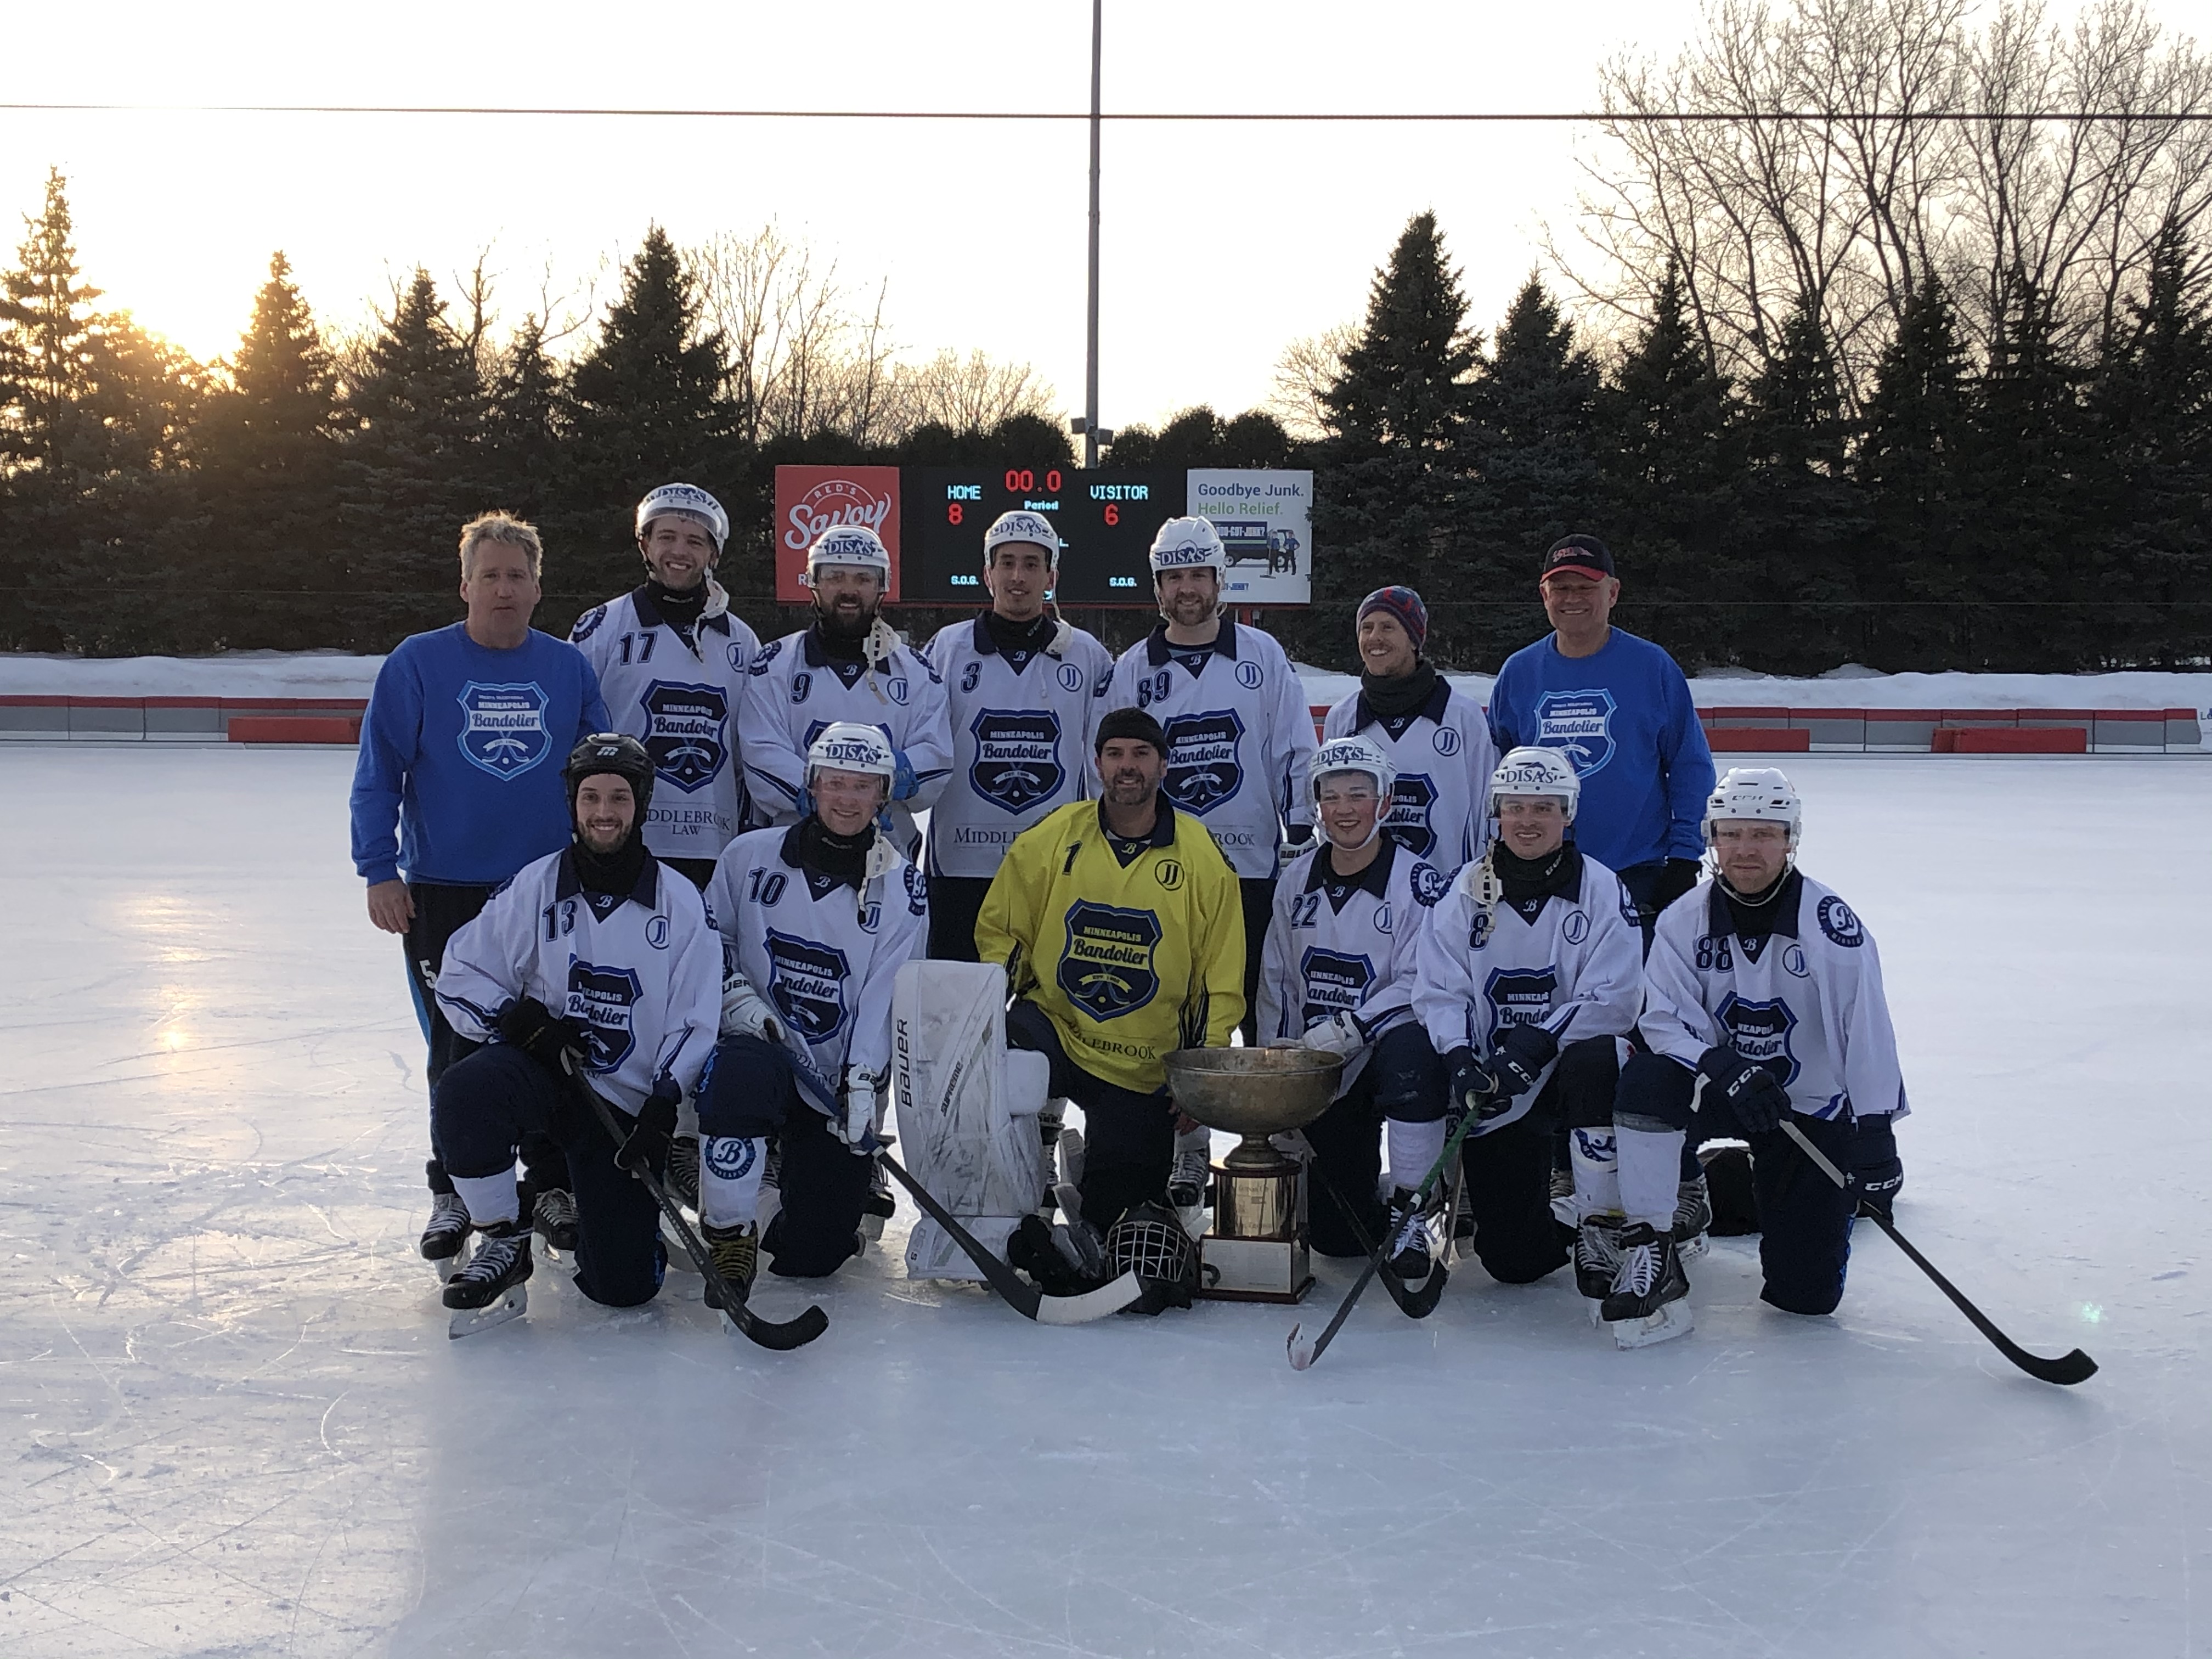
2065, 1370
778, 1336
1023, 1298
1414, 1303
1304, 1355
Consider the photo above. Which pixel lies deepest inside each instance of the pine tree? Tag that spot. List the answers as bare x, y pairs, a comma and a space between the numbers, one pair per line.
525, 431
1536, 472
412, 470
45, 349
1389, 471
1909, 466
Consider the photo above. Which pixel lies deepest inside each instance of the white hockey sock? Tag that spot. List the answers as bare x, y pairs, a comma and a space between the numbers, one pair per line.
491, 1198
1651, 1174
730, 1170
1413, 1148
1594, 1156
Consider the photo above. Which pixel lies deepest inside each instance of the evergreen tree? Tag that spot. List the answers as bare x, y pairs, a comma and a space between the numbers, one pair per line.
1198, 437
524, 434
1909, 466
1536, 471
412, 471
45, 338
1388, 470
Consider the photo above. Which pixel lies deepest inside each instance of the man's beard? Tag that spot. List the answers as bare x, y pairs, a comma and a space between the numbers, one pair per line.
846, 625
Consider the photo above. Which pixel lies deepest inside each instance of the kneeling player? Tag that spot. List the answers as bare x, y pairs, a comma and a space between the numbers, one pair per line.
1535, 942
1118, 923
595, 961
1763, 1006
1338, 976
816, 920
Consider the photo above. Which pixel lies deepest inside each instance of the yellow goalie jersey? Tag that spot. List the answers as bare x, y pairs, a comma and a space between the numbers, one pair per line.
1132, 948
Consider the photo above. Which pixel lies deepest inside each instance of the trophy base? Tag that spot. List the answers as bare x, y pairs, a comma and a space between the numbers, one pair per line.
1254, 1269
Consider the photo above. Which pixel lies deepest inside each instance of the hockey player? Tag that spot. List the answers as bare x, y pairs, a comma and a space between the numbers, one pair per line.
847, 666
1436, 737
459, 755
1338, 976
593, 968
1527, 976
1025, 690
672, 661
1118, 923
1239, 736
1763, 1004
816, 919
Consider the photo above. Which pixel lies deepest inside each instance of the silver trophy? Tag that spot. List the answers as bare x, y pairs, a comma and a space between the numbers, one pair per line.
1255, 1250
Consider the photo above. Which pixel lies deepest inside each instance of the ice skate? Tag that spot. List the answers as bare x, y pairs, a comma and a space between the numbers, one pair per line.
1407, 1241
1648, 1302
682, 1178
1070, 1157
878, 1206
490, 1291
553, 1218
1693, 1217
1187, 1184
446, 1236
735, 1252
1597, 1257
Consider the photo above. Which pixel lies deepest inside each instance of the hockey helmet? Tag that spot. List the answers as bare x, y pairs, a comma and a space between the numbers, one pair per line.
850, 746
1189, 544
610, 751
1150, 1242
853, 545
686, 501
1353, 754
1755, 792
1531, 771
1021, 527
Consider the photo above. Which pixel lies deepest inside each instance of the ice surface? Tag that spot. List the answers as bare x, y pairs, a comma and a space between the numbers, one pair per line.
238, 1425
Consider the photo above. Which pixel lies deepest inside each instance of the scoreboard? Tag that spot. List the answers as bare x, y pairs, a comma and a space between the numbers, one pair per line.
1106, 518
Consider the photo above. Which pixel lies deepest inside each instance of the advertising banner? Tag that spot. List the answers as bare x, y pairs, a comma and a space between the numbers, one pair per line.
1266, 521
809, 500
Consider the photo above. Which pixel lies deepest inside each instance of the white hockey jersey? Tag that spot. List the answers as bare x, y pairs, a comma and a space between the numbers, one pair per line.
641, 975
1239, 736
1444, 757
1021, 740
678, 696
825, 953
795, 690
1805, 1000
1482, 969
1345, 945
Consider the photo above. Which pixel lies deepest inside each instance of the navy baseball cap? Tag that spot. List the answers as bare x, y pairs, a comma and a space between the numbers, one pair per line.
1585, 555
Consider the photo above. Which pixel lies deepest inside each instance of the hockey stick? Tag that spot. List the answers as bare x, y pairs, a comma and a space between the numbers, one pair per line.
769, 1333
1023, 1298
2065, 1370
1415, 1305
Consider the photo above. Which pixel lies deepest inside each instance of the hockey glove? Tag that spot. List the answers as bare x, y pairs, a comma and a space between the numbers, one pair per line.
904, 781
1339, 1033
1877, 1173
646, 1148
1752, 1094
746, 1012
859, 1121
1519, 1056
529, 1025
1297, 840
1472, 1087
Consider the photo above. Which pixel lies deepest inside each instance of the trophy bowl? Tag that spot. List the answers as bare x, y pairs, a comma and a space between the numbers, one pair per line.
1253, 1092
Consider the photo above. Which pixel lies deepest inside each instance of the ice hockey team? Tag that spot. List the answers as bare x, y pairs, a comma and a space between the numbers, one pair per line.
661, 888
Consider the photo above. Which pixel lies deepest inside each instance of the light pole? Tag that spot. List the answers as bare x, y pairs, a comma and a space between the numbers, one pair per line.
1090, 427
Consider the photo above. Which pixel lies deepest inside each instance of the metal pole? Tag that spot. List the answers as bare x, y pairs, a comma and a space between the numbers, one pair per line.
1091, 363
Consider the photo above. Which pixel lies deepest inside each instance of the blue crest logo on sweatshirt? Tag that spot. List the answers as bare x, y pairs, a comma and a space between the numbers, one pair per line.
503, 728
1579, 724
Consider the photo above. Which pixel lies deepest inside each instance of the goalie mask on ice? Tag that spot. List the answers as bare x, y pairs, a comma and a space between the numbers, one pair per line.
967, 1109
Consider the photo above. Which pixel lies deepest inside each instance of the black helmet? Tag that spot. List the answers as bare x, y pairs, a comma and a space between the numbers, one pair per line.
1150, 1241
611, 752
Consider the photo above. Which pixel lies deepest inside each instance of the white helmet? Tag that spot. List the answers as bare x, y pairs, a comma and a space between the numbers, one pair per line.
1189, 544
684, 501
1021, 526
1531, 771
1352, 754
1755, 792
853, 545
850, 746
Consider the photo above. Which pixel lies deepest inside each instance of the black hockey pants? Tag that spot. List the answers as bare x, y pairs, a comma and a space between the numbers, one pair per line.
750, 1090
1509, 1172
1129, 1138
955, 902
1403, 1079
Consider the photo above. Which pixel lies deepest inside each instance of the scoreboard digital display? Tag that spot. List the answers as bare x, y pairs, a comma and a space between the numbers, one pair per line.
1106, 519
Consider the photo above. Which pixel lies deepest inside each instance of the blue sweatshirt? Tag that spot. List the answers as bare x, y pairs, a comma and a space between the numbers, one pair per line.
1624, 719
461, 751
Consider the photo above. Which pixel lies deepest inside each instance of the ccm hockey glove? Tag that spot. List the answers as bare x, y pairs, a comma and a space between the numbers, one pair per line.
529, 1025
1519, 1056
1339, 1033
1877, 1172
1754, 1098
1472, 1087
646, 1148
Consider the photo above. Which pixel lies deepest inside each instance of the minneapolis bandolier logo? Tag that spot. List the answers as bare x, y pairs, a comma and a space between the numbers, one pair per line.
806, 982
1335, 983
1412, 797
1519, 996
503, 727
1017, 758
600, 1000
1203, 769
685, 733
1761, 1032
1579, 724
1106, 967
